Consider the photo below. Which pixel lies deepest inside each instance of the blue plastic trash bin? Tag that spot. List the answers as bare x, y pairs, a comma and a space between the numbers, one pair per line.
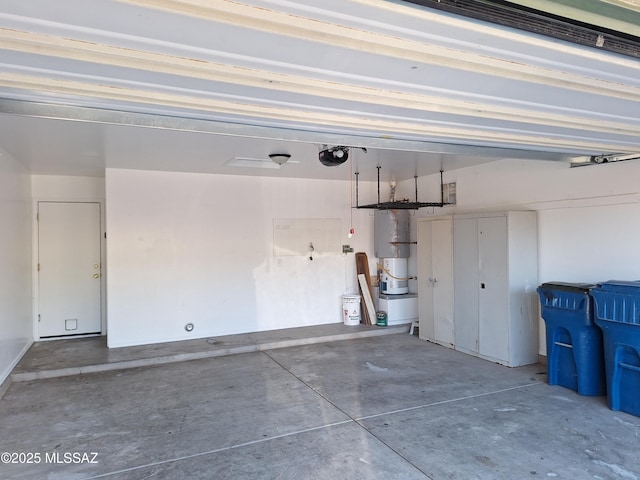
617, 313
575, 357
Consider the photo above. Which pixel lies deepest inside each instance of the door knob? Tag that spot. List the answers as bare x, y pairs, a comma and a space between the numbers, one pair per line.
96, 275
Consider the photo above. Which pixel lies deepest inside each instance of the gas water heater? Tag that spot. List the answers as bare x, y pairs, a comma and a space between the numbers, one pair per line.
391, 244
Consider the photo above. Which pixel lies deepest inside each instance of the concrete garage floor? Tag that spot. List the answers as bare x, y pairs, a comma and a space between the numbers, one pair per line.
378, 407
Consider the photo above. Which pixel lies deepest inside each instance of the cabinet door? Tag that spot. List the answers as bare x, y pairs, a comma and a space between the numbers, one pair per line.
493, 305
466, 276
425, 273
442, 281
435, 279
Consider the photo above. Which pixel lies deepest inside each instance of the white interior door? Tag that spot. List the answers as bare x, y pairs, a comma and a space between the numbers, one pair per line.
69, 269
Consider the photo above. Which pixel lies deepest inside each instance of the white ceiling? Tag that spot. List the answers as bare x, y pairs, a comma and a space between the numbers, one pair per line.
63, 147
188, 85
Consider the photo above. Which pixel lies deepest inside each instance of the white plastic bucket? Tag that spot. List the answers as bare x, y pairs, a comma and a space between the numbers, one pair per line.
351, 309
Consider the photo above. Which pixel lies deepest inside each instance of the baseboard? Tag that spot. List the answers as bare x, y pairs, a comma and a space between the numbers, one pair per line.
542, 359
5, 378
4, 386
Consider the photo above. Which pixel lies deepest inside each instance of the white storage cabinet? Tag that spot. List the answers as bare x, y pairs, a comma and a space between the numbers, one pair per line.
495, 279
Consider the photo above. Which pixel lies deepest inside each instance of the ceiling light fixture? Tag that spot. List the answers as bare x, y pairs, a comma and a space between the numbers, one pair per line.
279, 158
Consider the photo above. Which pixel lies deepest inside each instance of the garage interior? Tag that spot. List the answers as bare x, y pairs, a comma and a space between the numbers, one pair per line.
193, 138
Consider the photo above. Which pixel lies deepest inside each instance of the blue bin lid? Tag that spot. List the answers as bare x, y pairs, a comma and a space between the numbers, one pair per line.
620, 286
567, 287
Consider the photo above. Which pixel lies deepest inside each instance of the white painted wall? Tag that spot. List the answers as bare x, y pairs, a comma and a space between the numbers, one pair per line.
588, 217
197, 248
16, 327
67, 189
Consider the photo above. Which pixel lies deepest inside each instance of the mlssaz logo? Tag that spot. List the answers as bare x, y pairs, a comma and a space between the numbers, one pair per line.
71, 457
